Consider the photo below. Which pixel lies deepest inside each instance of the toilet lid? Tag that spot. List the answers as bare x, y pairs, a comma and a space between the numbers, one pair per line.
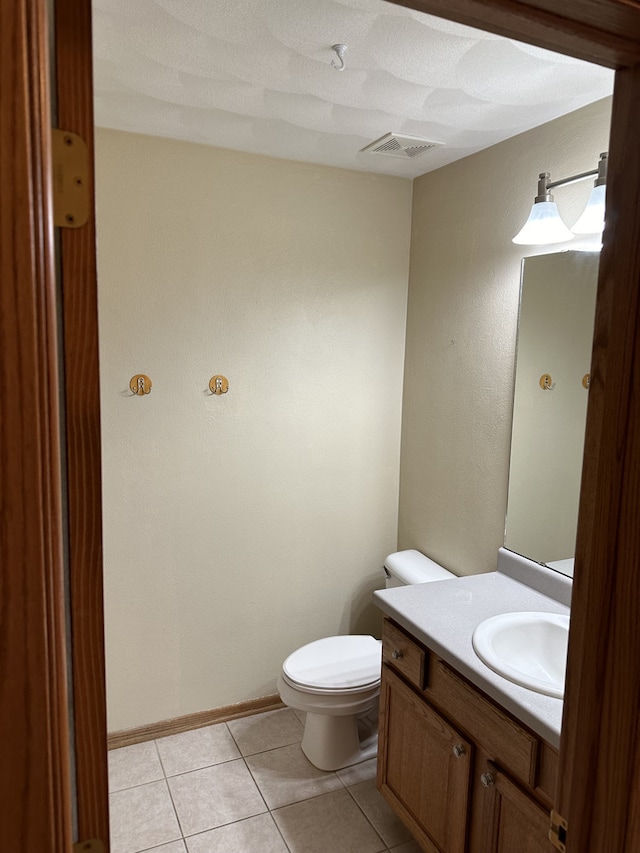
336, 663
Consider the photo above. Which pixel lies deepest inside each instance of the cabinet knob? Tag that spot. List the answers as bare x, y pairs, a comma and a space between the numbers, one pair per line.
396, 654
459, 750
487, 779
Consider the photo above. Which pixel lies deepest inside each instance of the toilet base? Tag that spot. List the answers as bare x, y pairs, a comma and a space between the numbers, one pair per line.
331, 743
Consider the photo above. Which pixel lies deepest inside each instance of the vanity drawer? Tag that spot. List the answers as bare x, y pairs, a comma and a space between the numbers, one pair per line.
508, 744
402, 653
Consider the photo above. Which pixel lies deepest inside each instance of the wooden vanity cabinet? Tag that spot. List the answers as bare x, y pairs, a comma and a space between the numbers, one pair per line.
463, 775
504, 817
424, 768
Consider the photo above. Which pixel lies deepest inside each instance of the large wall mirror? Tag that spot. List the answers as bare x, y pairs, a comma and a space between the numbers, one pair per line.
555, 332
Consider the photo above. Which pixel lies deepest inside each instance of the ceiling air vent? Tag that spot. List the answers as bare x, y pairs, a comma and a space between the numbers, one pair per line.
398, 145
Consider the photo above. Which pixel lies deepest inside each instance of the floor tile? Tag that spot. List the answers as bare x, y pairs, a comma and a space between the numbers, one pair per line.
141, 818
195, 749
266, 731
254, 835
213, 796
362, 772
134, 765
173, 847
379, 812
286, 776
327, 824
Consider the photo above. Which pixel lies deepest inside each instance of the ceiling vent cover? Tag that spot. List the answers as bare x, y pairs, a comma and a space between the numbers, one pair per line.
399, 145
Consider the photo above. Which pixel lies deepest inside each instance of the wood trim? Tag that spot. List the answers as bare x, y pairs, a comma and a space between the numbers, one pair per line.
77, 263
605, 32
34, 771
127, 737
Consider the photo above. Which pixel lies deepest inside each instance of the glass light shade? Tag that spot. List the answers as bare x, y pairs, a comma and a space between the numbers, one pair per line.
592, 219
543, 226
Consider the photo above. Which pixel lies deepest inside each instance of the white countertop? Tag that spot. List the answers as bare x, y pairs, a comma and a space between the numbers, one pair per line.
443, 615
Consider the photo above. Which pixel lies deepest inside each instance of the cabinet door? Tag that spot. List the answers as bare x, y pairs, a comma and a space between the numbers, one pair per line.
505, 818
423, 768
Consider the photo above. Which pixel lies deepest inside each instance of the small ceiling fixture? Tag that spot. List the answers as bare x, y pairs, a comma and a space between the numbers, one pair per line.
544, 224
340, 50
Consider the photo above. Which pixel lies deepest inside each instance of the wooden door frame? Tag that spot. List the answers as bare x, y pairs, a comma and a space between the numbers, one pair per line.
77, 254
35, 786
53, 779
600, 750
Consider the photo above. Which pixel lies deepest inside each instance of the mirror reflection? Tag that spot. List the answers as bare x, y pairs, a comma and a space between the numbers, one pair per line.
555, 331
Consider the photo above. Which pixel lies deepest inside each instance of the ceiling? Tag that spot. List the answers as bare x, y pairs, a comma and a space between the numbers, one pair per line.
256, 76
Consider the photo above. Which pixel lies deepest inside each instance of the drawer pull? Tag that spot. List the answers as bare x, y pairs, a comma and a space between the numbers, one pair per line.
459, 750
403, 654
488, 779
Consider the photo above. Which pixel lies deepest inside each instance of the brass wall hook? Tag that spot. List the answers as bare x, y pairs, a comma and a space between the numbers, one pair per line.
546, 382
218, 384
140, 384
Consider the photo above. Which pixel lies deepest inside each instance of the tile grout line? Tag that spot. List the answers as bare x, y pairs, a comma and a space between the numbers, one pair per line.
269, 810
244, 758
155, 847
279, 831
367, 818
253, 779
166, 781
233, 738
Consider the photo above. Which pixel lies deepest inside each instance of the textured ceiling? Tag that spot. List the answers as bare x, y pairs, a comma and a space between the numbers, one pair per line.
256, 75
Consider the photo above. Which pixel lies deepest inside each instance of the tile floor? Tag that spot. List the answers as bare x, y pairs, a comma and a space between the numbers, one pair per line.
245, 787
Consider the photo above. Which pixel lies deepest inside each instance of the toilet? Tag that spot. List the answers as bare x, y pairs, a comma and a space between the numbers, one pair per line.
336, 680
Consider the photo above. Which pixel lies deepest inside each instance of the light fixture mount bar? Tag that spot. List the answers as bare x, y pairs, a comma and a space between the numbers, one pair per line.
600, 172
573, 179
545, 185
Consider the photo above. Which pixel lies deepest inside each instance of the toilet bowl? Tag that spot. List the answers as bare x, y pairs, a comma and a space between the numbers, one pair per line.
336, 680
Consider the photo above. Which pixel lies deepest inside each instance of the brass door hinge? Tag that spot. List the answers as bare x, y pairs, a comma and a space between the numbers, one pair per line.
558, 832
70, 158
93, 846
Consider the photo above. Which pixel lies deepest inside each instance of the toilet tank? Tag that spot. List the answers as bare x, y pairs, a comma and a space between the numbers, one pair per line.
404, 568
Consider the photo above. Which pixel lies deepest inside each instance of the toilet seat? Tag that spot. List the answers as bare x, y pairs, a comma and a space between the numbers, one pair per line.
335, 665
331, 692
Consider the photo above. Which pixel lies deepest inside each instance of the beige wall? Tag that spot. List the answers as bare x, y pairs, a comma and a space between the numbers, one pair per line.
240, 527
461, 333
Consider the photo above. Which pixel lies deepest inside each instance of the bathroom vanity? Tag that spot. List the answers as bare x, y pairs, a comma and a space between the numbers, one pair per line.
466, 758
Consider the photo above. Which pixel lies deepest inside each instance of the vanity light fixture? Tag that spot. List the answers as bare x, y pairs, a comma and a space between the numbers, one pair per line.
544, 224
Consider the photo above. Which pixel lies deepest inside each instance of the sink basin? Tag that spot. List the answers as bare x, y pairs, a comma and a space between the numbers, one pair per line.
529, 649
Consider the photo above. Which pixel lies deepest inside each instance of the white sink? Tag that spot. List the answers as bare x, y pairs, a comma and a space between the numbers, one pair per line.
529, 649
